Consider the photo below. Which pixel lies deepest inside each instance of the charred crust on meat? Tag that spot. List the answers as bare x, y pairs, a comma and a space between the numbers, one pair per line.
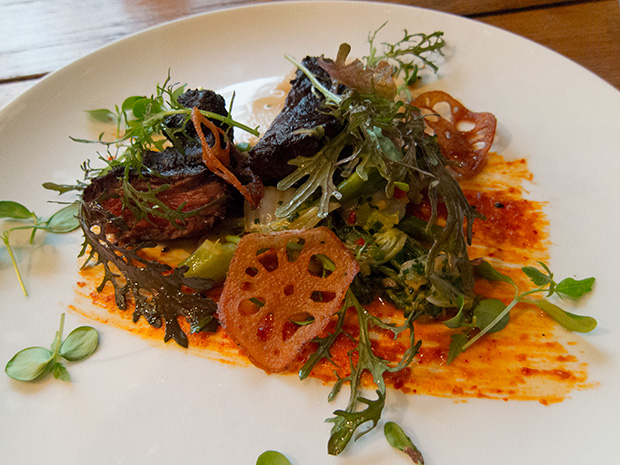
204, 100
293, 132
185, 182
189, 187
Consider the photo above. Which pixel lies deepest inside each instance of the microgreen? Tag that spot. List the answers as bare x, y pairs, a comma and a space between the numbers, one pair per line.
141, 121
34, 363
397, 438
272, 457
491, 315
63, 221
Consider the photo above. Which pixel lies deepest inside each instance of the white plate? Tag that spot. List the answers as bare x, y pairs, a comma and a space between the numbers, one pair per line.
140, 402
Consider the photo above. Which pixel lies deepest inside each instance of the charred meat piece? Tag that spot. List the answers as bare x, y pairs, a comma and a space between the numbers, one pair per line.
204, 100
190, 186
182, 186
290, 135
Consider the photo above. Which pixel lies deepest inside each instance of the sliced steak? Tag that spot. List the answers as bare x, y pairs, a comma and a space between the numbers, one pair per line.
191, 186
290, 135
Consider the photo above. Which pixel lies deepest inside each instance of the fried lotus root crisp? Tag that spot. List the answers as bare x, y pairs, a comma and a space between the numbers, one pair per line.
281, 291
465, 137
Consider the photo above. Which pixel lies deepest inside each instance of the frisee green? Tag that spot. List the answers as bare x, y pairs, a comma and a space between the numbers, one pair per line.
33, 363
387, 140
360, 410
407, 52
368, 120
61, 222
491, 315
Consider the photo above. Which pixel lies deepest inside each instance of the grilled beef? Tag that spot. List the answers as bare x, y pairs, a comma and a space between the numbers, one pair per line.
205, 100
291, 133
178, 179
190, 186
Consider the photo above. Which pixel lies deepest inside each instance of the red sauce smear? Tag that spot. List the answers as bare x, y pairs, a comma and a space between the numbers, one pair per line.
531, 359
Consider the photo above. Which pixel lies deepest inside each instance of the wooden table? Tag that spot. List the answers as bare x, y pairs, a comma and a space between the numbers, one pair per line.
41, 36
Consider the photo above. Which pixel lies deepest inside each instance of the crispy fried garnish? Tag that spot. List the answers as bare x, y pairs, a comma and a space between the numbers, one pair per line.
281, 291
217, 158
465, 137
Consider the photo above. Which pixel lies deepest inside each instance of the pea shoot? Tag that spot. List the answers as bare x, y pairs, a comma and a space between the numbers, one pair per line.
35, 363
272, 457
397, 438
61, 222
491, 315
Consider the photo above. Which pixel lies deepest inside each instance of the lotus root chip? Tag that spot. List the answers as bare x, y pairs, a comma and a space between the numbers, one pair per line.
281, 291
464, 136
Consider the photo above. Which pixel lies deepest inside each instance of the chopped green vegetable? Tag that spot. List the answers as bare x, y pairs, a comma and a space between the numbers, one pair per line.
210, 260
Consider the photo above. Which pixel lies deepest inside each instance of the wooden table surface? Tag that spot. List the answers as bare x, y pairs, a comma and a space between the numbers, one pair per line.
41, 36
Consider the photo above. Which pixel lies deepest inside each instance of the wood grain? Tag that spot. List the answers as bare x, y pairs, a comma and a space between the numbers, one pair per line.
587, 33
40, 36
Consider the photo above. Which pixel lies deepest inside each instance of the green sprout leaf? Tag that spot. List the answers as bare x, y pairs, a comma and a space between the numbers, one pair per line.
457, 320
570, 321
492, 315
64, 220
80, 344
272, 457
34, 363
536, 276
28, 364
102, 115
457, 341
397, 438
60, 188
14, 210
486, 270
573, 288
60, 372
487, 311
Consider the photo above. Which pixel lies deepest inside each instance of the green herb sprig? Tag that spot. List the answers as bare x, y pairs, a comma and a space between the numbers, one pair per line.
61, 222
34, 363
371, 124
140, 122
405, 52
347, 421
491, 315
